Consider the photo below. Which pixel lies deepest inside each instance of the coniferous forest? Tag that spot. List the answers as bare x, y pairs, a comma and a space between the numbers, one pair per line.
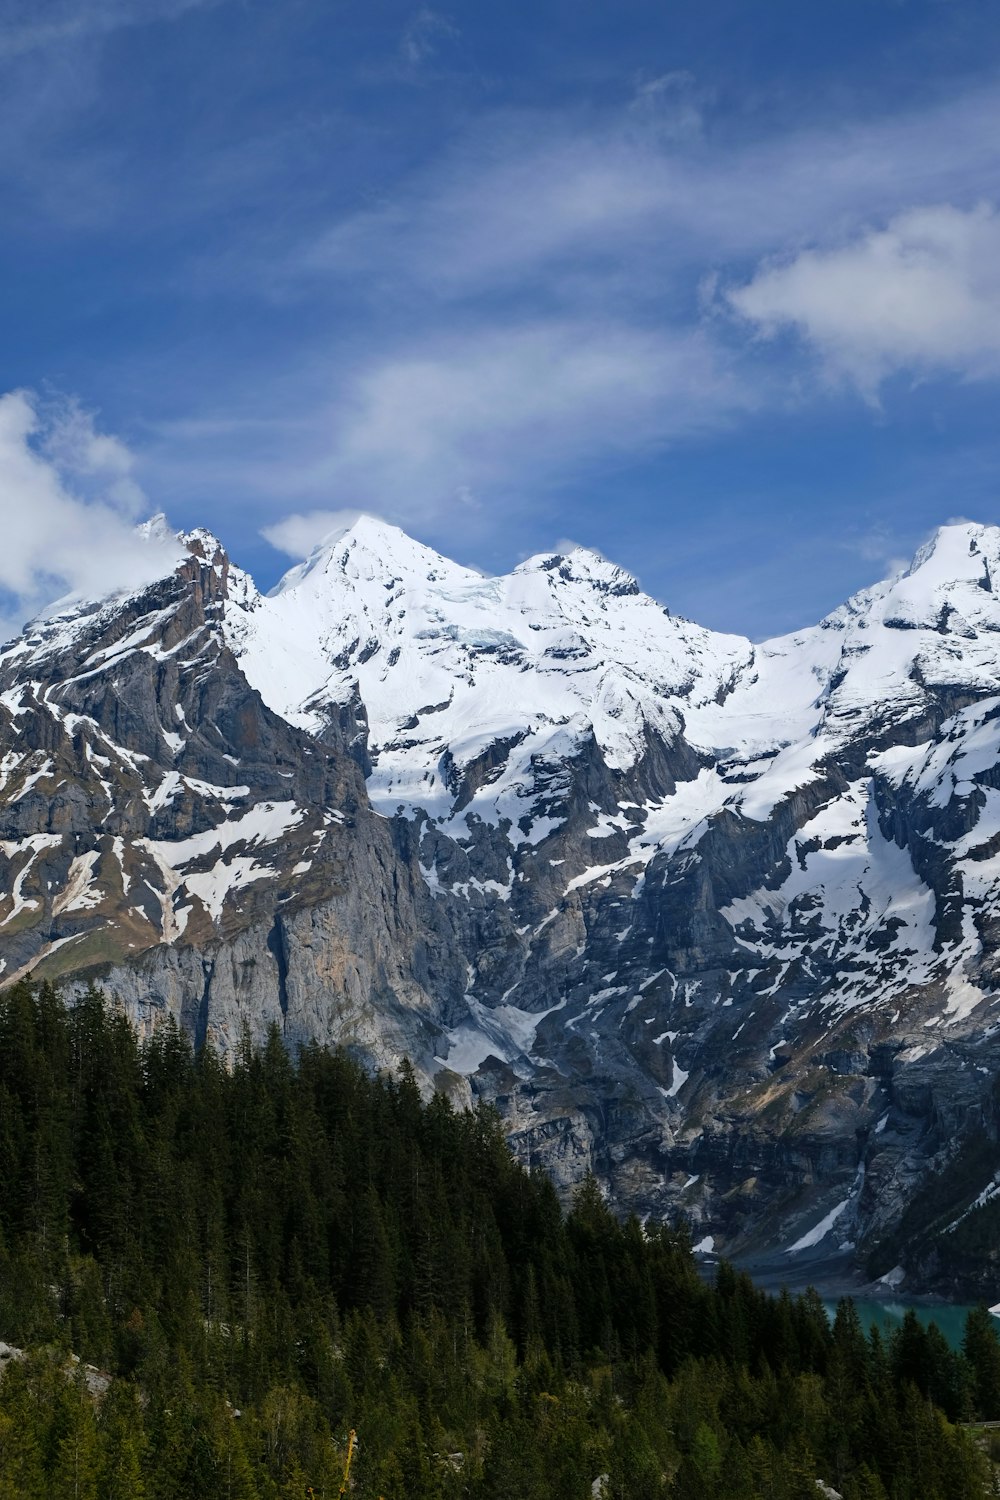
218, 1274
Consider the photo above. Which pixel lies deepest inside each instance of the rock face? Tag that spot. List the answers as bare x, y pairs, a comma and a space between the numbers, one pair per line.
718, 920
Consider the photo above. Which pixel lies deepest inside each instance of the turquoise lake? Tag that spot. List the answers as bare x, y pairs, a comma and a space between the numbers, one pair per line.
887, 1316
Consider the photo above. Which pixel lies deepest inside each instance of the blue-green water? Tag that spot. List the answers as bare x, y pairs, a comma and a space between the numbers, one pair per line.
887, 1316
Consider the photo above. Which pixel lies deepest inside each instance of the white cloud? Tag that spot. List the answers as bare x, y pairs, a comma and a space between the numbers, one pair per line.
297, 535
459, 436
69, 505
516, 197
922, 294
67, 437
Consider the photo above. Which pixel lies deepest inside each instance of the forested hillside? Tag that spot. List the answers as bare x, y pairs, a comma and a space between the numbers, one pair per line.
257, 1261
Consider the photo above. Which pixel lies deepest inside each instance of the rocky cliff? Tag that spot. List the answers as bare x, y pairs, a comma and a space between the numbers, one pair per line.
716, 919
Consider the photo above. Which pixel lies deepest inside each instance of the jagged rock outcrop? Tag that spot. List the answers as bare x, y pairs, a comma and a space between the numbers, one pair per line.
162, 827
715, 919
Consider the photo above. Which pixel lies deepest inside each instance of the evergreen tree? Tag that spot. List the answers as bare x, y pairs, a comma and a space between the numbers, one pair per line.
124, 1445
77, 1465
262, 1257
981, 1347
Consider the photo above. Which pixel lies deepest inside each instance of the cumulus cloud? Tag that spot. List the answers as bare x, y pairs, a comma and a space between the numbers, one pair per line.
98, 462
921, 294
297, 535
69, 503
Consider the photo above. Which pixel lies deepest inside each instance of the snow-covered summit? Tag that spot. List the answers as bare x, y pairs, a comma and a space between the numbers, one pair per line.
367, 549
448, 661
932, 627
157, 529
951, 574
452, 666
582, 565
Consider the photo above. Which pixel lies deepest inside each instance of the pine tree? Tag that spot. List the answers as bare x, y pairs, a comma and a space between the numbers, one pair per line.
981, 1347
124, 1444
76, 1471
23, 1430
864, 1485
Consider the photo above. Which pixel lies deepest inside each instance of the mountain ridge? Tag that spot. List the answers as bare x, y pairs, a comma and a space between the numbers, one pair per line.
716, 919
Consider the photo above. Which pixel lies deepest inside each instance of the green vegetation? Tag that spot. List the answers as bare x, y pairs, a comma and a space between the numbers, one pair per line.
257, 1261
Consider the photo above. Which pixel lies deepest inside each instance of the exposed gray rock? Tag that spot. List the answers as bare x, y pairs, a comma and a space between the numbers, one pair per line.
716, 921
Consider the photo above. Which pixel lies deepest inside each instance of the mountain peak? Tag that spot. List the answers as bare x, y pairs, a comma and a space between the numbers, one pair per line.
370, 549
157, 529
582, 565
200, 542
363, 531
956, 550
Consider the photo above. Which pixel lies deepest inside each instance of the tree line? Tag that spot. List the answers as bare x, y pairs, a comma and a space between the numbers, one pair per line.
217, 1274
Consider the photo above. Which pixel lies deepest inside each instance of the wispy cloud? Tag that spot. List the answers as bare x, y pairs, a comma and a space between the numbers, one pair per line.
66, 159
525, 195
26, 28
423, 36
70, 504
502, 409
670, 107
534, 305
526, 308
461, 437
883, 547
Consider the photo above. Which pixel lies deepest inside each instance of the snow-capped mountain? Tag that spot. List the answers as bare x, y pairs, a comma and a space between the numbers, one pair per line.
718, 919
434, 649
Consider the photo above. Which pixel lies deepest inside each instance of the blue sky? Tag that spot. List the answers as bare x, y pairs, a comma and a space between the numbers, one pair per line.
714, 289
